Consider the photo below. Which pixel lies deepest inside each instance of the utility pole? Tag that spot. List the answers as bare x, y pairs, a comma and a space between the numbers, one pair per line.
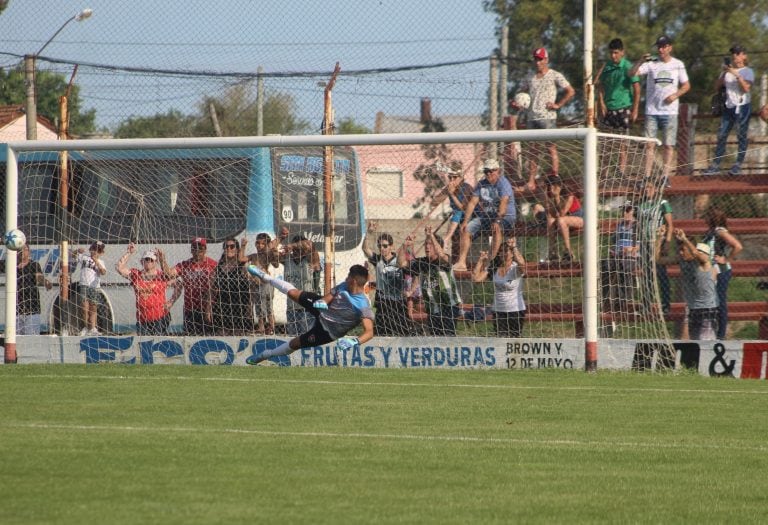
30, 106
260, 101
329, 225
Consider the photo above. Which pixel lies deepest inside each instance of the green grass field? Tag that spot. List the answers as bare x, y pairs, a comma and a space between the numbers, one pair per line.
169, 444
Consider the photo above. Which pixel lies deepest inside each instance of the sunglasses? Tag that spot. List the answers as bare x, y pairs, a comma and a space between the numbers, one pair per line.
231, 246
148, 259
383, 245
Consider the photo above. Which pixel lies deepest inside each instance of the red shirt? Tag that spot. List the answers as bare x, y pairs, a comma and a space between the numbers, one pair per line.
150, 296
196, 278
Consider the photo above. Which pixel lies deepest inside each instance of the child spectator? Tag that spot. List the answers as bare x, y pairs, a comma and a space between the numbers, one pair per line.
91, 269
262, 296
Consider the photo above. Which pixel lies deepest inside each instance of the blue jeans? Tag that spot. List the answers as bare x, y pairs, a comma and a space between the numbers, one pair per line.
727, 121
723, 278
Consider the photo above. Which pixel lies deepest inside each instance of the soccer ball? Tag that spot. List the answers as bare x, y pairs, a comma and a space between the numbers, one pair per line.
523, 100
15, 240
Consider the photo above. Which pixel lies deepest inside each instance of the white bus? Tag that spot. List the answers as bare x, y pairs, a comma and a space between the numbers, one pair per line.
164, 198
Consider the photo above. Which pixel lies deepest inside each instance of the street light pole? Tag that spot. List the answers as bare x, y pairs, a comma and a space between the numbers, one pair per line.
30, 102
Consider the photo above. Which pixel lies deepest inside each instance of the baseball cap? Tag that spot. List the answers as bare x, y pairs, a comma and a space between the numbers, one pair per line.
199, 241
150, 254
491, 164
737, 49
703, 247
540, 53
663, 40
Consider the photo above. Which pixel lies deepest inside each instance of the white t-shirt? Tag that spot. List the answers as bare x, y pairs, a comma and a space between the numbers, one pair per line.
662, 80
508, 290
89, 270
734, 96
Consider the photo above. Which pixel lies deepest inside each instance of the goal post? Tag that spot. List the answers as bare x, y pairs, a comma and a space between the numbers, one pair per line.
163, 193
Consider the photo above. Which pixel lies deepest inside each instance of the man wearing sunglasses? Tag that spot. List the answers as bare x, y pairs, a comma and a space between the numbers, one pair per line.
194, 276
390, 301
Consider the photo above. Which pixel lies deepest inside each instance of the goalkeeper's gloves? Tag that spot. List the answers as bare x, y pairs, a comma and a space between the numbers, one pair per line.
348, 342
320, 305
256, 271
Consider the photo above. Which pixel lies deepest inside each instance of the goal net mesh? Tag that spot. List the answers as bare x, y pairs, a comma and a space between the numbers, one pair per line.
269, 203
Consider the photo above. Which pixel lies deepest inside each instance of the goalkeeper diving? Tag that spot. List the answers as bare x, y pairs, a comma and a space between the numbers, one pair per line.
336, 313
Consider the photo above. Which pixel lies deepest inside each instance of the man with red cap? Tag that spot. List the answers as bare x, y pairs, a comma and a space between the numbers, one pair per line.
194, 276
543, 86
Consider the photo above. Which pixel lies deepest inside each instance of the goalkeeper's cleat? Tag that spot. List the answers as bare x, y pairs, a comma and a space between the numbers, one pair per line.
320, 305
348, 342
256, 271
255, 359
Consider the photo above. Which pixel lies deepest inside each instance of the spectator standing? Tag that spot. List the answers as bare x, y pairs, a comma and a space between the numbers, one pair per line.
737, 79
618, 97
724, 247
490, 209
390, 302
666, 81
506, 272
91, 269
149, 284
194, 276
543, 87
29, 276
300, 261
438, 284
231, 291
652, 213
698, 283
343, 308
262, 296
619, 270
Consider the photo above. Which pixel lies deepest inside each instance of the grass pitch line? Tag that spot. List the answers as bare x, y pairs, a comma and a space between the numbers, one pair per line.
399, 437
391, 384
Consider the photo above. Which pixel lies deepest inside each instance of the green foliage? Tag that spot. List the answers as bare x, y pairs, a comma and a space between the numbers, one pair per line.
742, 205
50, 87
236, 112
348, 126
701, 39
171, 124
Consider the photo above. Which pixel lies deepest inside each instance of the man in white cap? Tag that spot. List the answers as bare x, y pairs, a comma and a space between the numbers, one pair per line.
698, 278
666, 81
490, 209
543, 87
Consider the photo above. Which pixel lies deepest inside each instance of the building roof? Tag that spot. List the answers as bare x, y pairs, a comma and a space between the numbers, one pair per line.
13, 117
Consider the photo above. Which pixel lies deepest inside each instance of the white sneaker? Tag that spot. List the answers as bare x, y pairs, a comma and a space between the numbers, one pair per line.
93, 331
84, 331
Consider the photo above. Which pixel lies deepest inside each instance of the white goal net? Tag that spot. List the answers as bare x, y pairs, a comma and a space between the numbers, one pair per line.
210, 206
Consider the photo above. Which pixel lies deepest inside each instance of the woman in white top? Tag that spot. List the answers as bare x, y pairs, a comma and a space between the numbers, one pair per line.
507, 271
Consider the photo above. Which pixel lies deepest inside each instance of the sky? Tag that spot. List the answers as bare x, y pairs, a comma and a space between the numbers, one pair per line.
238, 36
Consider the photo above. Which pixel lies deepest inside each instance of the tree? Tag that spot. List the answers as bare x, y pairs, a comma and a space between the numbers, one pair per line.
171, 124
49, 88
236, 112
701, 39
348, 126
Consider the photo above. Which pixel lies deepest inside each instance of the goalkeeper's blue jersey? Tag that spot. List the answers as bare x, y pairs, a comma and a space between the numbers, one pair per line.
345, 311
